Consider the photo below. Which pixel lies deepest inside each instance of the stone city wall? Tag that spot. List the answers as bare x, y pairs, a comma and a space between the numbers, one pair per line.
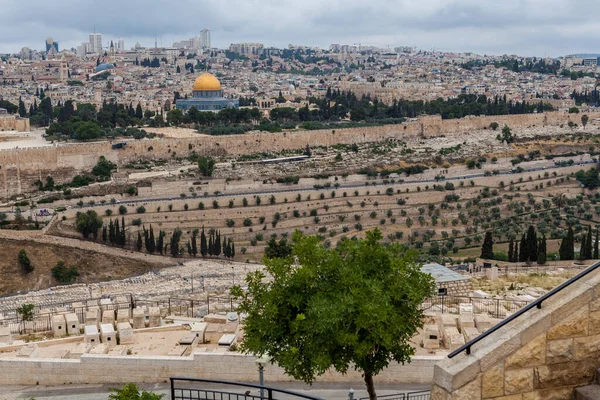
543, 354
456, 288
105, 369
21, 167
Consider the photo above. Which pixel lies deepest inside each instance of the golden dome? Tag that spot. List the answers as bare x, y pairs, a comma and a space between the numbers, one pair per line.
207, 81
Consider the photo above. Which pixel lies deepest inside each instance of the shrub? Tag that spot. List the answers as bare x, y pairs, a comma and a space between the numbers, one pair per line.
141, 210
24, 261
136, 222
122, 210
63, 274
201, 206
247, 222
230, 223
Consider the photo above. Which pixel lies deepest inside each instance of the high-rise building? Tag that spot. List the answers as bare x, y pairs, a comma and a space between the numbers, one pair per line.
121, 44
95, 42
247, 48
205, 38
50, 43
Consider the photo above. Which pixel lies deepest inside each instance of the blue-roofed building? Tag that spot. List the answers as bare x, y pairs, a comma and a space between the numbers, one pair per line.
104, 67
448, 282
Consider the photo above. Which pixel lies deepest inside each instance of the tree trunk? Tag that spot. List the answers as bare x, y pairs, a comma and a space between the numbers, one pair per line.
370, 386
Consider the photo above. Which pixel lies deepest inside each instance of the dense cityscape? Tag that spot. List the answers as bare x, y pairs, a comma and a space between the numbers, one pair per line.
255, 221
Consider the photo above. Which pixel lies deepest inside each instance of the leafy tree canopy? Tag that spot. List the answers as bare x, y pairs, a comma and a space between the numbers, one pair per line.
354, 306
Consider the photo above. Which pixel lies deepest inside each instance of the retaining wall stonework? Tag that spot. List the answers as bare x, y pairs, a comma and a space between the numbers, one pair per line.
19, 168
105, 369
544, 354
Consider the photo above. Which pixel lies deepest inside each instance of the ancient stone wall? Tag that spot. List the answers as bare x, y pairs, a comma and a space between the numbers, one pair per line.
105, 369
544, 354
456, 288
12, 123
68, 160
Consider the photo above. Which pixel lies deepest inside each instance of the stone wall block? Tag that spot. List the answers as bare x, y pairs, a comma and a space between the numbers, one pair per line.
569, 374
575, 326
492, 382
518, 381
559, 351
530, 355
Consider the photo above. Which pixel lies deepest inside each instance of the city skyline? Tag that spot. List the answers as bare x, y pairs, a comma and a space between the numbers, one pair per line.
557, 28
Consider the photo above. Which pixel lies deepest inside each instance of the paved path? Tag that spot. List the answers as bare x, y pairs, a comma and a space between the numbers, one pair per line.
101, 392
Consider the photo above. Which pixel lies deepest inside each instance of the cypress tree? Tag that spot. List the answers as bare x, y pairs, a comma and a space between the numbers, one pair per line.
541, 256
511, 249
567, 251
151, 241
217, 242
532, 244
589, 244
203, 244
516, 252
232, 249
211, 246
189, 247
138, 244
487, 249
160, 242
523, 251
117, 233
596, 246
104, 233
194, 243
582, 248
225, 248
122, 241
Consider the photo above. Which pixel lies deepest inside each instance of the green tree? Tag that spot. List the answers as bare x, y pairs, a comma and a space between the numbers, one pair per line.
24, 261
506, 136
174, 244
195, 242
357, 306
532, 242
596, 246
64, 275
566, 250
206, 165
130, 391
511, 249
174, 117
139, 243
542, 252
523, 251
487, 249
589, 244
203, 244
89, 223
584, 120
277, 249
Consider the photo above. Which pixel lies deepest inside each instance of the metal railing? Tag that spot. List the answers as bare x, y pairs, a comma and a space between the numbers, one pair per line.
201, 389
535, 304
495, 308
420, 395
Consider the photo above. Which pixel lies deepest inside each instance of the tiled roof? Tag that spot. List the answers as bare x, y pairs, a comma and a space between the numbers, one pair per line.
442, 274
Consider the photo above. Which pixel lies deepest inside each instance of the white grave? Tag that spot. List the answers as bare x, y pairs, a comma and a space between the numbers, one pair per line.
123, 315
139, 318
72, 323
80, 349
59, 329
108, 335
125, 333
154, 317
91, 334
5, 336
227, 340
199, 328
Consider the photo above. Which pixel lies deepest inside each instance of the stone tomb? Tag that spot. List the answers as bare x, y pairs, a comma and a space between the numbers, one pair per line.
125, 332
227, 340
199, 328
178, 351
453, 339
470, 333
154, 317
29, 351
91, 334
108, 317
139, 318
189, 339
108, 335
123, 315
431, 337
101, 348
5, 336
482, 322
72, 323
80, 349
92, 317
59, 328
118, 351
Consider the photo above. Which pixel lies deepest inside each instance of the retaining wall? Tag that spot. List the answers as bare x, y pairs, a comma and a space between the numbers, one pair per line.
104, 369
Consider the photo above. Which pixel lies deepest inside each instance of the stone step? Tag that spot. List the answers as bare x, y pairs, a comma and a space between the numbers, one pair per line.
590, 392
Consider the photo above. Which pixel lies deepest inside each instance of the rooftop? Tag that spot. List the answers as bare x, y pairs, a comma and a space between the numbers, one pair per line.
442, 274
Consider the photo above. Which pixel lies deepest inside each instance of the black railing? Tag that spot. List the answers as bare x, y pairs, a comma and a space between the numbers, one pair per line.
495, 308
420, 395
203, 389
537, 303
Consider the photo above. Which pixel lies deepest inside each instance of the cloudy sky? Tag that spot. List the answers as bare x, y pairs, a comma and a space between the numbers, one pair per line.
524, 27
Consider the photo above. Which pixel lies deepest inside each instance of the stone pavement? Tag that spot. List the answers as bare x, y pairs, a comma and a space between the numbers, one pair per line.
101, 392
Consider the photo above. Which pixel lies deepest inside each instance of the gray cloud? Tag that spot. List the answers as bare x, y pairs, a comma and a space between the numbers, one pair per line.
525, 27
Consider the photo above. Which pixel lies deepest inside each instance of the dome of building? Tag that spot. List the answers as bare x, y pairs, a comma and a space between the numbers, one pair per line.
207, 81
104, 67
